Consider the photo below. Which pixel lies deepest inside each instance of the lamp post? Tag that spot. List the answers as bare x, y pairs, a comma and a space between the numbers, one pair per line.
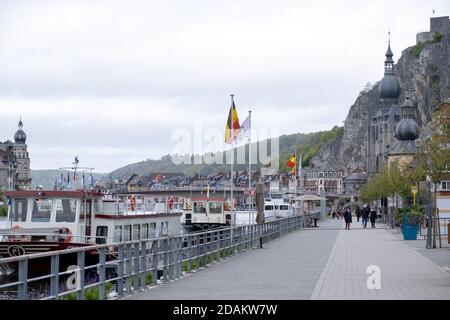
414, 192
429, 211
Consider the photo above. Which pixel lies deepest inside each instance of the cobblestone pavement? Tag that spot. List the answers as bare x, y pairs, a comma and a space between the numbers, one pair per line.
327, 262
287, 268
404, 273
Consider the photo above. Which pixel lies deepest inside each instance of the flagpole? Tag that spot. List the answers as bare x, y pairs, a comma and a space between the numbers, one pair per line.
250, 168
232, 161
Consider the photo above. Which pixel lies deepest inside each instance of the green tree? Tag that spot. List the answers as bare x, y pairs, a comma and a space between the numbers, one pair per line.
433, 156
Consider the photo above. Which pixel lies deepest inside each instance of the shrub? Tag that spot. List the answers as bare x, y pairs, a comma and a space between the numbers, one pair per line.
411, 215
3, 211
437, 36
89, 294
417, 49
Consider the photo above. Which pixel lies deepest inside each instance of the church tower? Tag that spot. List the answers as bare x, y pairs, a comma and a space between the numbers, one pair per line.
23, 174
382, 127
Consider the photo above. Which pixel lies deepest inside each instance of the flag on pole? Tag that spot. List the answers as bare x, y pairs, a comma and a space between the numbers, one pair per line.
244, 130
91, 180
291, 163
232, 122
245, 126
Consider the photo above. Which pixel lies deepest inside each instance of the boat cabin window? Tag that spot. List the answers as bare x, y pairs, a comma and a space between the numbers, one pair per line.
19, 210
42, 209
102, 231
145, 231
164, 228
268, 207
199, 207
284, 208
66, 210
118, 234
127, 233
215, 207
82, 206
152, 231
136, 231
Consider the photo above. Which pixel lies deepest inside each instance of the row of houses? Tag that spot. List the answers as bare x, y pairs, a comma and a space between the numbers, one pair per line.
311, 181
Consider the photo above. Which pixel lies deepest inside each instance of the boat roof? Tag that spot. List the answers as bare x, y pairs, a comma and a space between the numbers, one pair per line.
51, 194
208, 199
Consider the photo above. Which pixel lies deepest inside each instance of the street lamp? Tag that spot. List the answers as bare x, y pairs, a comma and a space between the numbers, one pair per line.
414, 192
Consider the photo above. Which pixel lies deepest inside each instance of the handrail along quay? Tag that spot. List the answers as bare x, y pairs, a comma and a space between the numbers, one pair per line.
122, 268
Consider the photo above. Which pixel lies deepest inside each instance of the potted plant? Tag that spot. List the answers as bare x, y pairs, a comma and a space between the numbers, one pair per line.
410, 220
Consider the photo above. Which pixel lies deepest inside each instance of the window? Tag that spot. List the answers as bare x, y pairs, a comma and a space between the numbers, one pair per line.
42, 209
165, 228
19, 210
284, 207
199, 207
145, 231
268, 208
66, 210
102, 233
127, 233
152, 231
136, 231
215, 207
82, 209
445, 185
118, 234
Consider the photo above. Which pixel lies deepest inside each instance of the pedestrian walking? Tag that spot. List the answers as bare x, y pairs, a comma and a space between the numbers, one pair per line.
373, 217
333, 216
358, 213
347, 218
365, 215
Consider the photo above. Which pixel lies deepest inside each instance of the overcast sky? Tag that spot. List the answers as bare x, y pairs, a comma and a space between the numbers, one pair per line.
110, 81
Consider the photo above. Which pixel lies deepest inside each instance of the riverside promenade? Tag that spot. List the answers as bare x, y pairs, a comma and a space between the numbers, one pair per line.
327, 262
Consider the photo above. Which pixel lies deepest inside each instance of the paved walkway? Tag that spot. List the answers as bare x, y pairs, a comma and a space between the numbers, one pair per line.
318, 263
287, 268
404, 273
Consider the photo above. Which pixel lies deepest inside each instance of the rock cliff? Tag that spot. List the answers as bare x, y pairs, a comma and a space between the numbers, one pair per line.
423, 72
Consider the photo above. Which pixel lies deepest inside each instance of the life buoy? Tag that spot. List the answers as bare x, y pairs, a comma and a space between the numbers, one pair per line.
19, 237
133, 203
65, 235
171, 202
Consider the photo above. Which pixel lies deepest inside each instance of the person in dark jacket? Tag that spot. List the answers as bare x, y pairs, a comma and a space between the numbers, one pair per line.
365, 215
373, 217
347, 218
358, 213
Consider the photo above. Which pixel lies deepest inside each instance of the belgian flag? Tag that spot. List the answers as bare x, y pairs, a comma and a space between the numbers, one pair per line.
232, 122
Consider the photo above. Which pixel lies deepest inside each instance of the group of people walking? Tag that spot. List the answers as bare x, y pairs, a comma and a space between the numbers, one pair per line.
365, 214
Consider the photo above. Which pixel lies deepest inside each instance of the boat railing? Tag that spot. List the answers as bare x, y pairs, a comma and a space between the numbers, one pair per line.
139, 264
50, 237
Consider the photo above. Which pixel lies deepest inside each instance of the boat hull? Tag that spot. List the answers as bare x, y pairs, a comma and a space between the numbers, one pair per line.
42, 266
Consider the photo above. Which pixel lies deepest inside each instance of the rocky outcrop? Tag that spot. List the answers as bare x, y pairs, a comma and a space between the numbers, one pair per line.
423, 73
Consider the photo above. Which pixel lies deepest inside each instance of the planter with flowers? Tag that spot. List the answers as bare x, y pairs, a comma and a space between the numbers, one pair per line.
410, 220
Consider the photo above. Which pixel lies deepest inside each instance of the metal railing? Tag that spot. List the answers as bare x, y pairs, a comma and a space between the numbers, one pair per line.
122, 268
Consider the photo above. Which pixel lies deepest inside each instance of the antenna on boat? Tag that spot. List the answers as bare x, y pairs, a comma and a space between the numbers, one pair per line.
74, 168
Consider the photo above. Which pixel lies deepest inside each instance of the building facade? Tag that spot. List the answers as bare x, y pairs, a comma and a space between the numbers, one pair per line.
15, 162
314, 181
382, 126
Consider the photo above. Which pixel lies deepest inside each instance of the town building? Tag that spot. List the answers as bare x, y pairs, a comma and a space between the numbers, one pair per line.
15, 162
315, 180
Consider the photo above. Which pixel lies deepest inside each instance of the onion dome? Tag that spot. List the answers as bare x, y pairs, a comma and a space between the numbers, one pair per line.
20, 136
407, 130
389, 87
